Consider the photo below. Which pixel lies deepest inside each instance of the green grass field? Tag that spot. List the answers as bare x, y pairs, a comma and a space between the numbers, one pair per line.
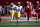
21, 24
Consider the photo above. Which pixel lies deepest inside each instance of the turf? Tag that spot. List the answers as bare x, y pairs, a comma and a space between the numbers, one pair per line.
21, 24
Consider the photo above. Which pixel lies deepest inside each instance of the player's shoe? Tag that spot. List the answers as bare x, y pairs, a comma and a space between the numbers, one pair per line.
27, 21
17, 22
13, 18
11, 22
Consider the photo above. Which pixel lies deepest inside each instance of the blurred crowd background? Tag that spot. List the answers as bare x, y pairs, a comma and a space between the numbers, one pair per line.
4, 4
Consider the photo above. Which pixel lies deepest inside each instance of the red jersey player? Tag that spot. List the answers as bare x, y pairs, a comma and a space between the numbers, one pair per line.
25, 9
39, 13
37, 10
31, 8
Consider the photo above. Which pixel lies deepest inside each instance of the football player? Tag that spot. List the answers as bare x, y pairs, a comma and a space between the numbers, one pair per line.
31, 8
37, 10
25, 9
17, 13
12, 10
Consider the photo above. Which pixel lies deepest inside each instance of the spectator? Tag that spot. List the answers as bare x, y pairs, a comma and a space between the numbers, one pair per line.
0, 9
3, 10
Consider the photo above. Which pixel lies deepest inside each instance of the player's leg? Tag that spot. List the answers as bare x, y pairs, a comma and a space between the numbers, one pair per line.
36, 16
30, 13
28, 17
18, 18
39, 20
25, 15
11, 18
12, 14
39, 16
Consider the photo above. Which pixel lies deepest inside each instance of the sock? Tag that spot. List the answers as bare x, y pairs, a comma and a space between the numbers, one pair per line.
37, 19
17, 20
28, 19
11, 18
26, 16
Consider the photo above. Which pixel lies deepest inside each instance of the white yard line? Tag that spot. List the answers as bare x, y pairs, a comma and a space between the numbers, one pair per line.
19, 20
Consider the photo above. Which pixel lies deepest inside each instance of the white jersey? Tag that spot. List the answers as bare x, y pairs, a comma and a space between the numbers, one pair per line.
0, 8
12, 8
18, 9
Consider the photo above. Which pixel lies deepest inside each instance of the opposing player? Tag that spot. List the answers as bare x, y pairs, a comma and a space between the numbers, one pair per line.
28, 9
12, 10
25, 9
39, 13
37, 10
17, 13
31, 8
